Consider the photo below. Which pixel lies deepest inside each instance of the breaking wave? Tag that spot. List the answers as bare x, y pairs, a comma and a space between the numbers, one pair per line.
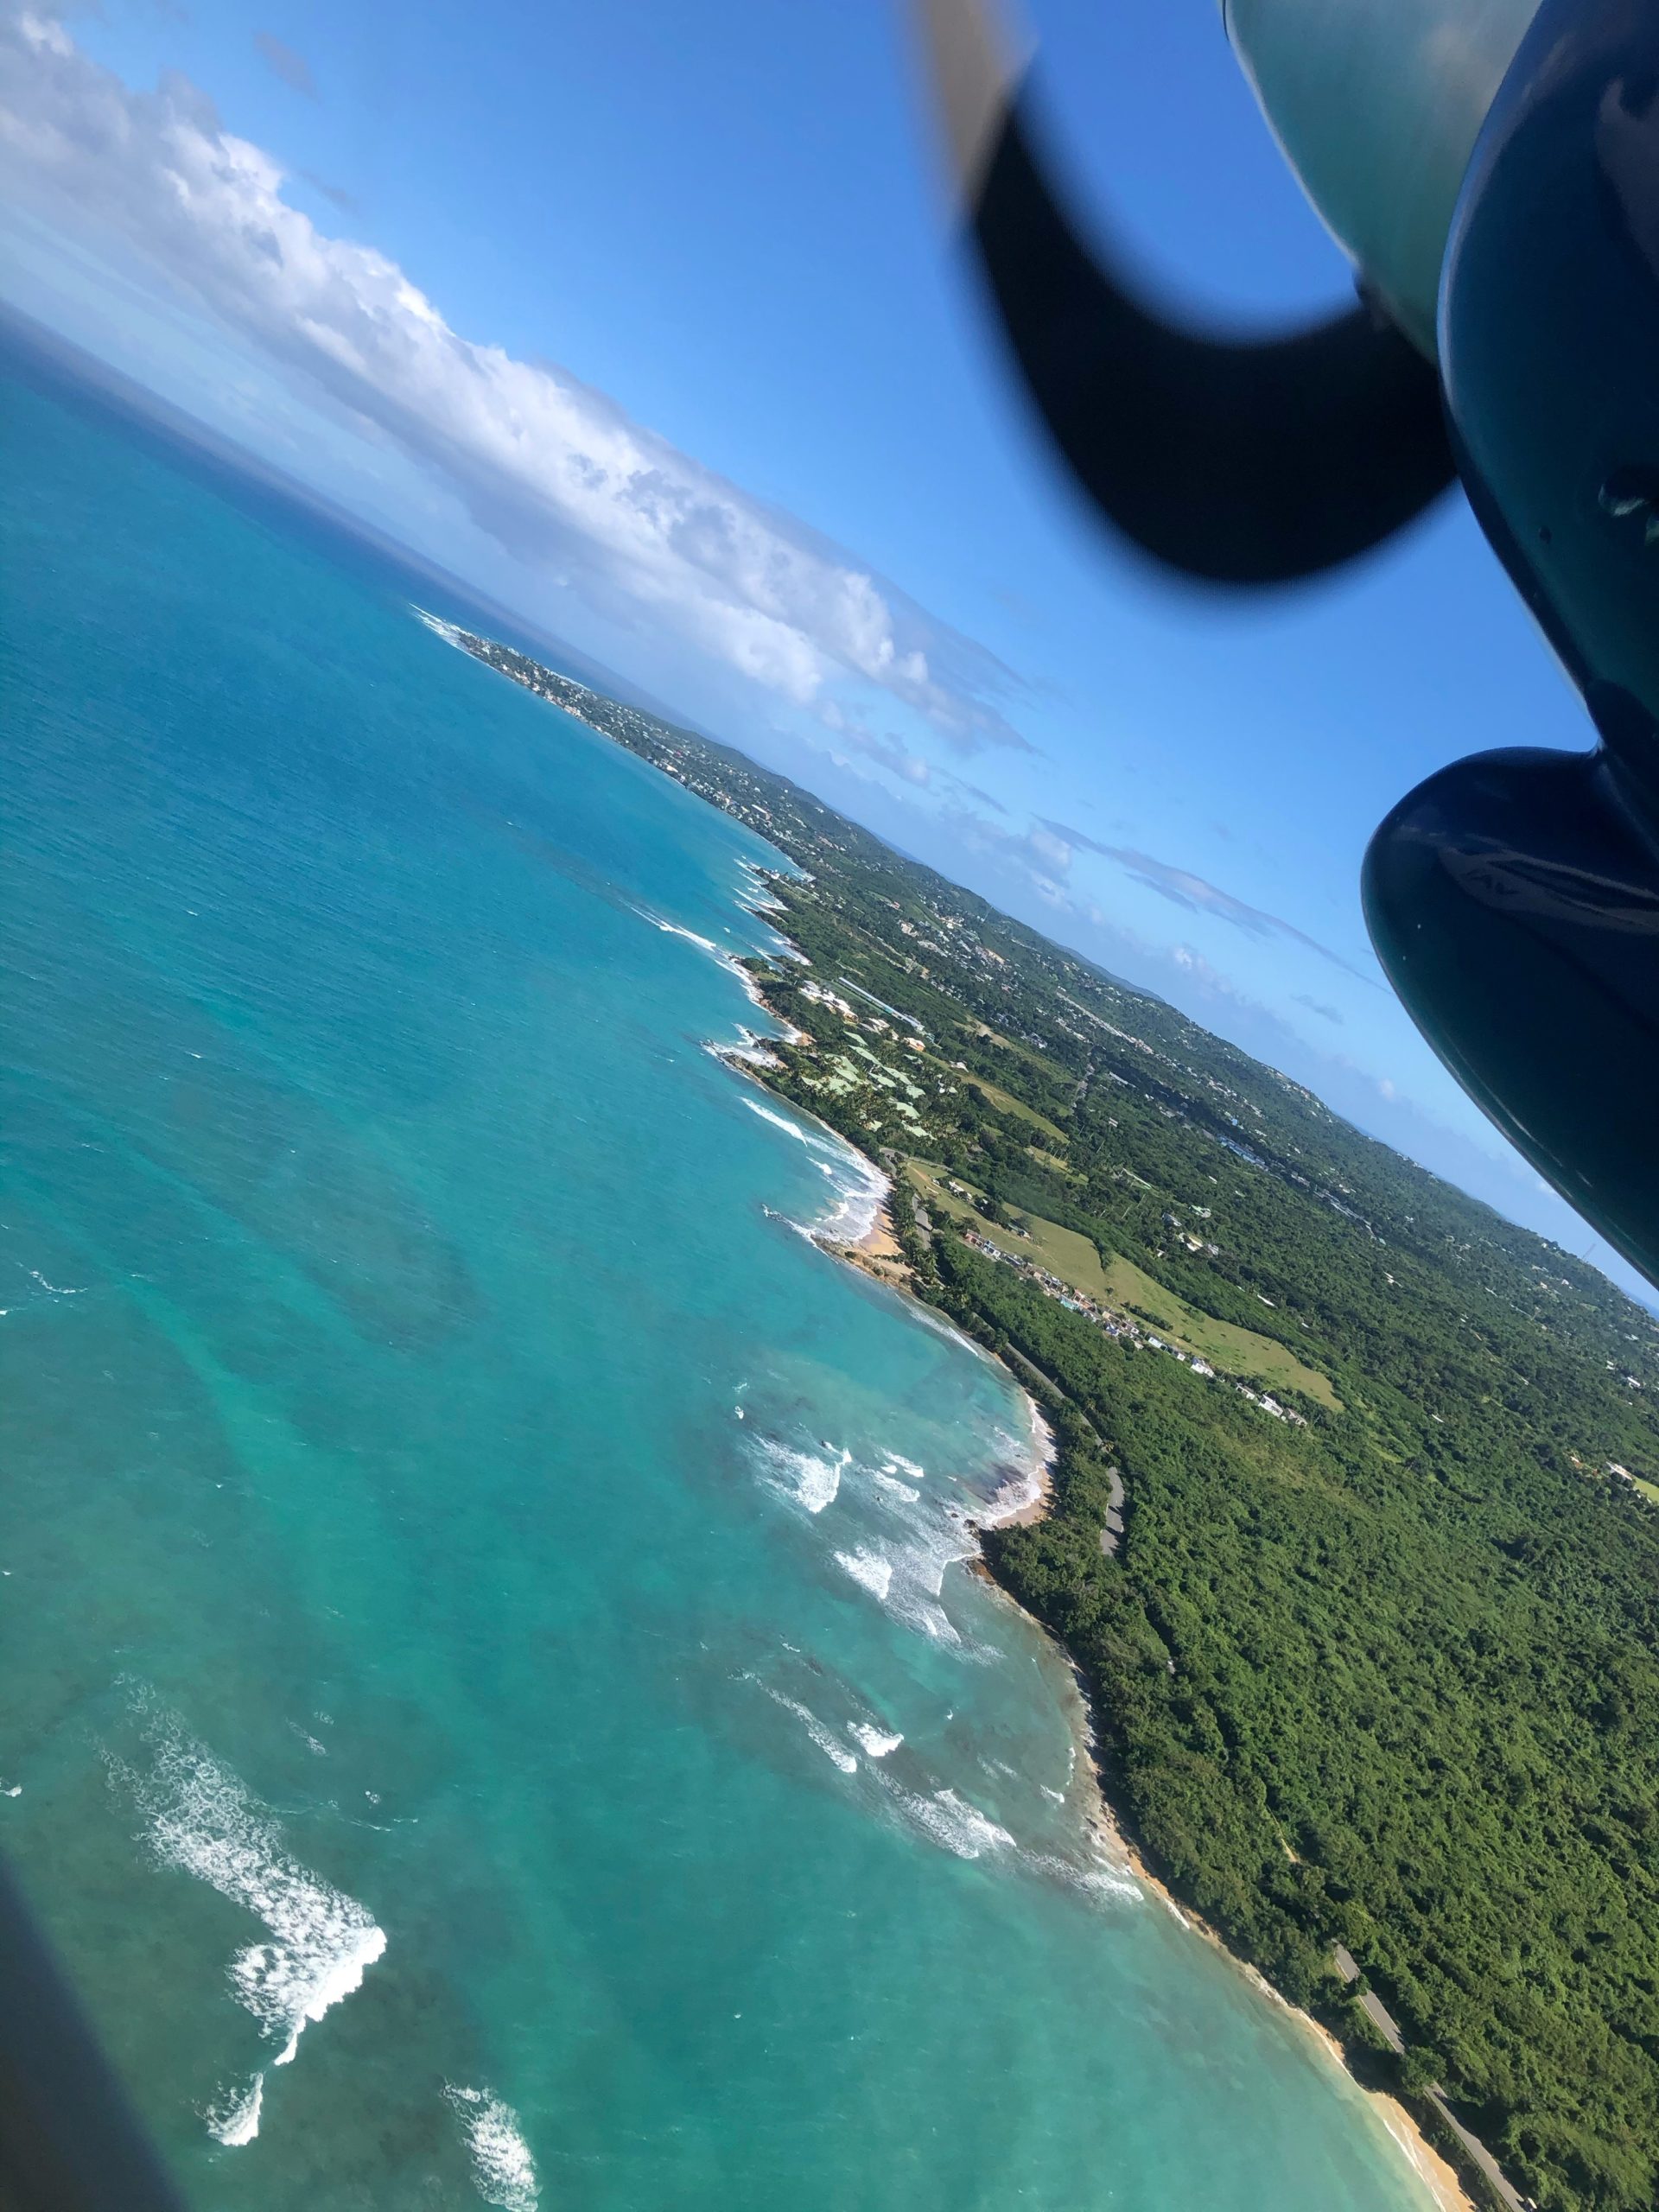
233, 2118
201, 1819
875, 1742
504, 2173
910, 1580
833, 1749
870, 1568
944, 1818
861, 1188
678, 929
802, 1477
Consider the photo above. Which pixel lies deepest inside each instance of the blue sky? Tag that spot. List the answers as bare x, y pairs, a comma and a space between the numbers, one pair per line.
469, 269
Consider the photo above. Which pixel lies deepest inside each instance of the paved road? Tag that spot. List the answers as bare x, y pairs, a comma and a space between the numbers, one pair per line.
1377, 2011
1112, 1534
1492, 2172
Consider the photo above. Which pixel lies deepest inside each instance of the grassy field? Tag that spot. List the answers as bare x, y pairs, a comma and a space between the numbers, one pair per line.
1073, 1258
994, 1095
1224, 1344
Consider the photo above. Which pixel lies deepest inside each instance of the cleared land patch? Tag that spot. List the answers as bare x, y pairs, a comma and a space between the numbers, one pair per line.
1004, 1102
1074, 1259
1224, 1344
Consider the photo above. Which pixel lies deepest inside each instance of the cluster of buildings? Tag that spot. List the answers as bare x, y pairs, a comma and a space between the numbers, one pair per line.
1114, 1323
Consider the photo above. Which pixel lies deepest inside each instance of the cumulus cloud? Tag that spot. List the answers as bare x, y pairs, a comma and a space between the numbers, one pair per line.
1198, 896
554, 471
282, 60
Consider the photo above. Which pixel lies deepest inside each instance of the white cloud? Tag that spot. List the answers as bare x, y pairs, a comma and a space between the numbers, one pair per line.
1184, 888
554, 470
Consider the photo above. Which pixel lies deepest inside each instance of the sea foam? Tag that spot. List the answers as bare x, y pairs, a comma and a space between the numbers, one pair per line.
504, 2173
835, 1753
201, 1819
802, 1477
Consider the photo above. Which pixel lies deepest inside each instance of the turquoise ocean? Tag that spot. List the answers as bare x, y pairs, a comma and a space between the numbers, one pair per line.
495, 1706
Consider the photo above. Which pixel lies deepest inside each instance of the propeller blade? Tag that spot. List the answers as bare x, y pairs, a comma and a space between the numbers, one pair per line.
1235, 460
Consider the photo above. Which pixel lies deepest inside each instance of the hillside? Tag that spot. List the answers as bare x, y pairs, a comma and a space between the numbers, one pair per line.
1373, 1643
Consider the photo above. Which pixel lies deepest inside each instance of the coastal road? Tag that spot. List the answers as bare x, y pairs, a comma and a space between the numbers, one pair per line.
1111, 1533
1480, 2157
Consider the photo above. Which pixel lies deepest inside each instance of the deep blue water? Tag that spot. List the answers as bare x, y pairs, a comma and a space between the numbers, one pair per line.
495, 1709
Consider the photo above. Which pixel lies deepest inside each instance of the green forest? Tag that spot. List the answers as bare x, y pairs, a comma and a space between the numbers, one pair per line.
1374, 1663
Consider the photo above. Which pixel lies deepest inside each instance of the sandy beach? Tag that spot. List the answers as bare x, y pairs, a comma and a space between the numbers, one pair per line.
879, 1253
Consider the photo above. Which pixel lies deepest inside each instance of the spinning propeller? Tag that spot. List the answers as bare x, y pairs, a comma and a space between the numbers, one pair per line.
1493, 167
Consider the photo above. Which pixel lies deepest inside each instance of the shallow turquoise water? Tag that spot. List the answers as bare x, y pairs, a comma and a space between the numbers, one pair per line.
442, 1731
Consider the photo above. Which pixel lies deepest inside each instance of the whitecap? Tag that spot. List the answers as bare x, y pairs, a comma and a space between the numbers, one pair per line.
875, 1742
835, 1753
202, 1820
870, 1569
234, 2118
504, 2173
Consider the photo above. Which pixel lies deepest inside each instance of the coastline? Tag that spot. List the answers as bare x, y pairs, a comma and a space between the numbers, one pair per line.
1435, 2171
790, 820
878, 1252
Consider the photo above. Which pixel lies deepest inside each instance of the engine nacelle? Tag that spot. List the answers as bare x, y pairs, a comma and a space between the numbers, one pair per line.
1376, 105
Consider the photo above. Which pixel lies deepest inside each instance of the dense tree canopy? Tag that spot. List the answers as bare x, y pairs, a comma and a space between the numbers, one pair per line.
1377, 1664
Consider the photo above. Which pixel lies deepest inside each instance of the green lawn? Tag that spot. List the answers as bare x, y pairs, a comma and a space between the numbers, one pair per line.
1073, 1258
